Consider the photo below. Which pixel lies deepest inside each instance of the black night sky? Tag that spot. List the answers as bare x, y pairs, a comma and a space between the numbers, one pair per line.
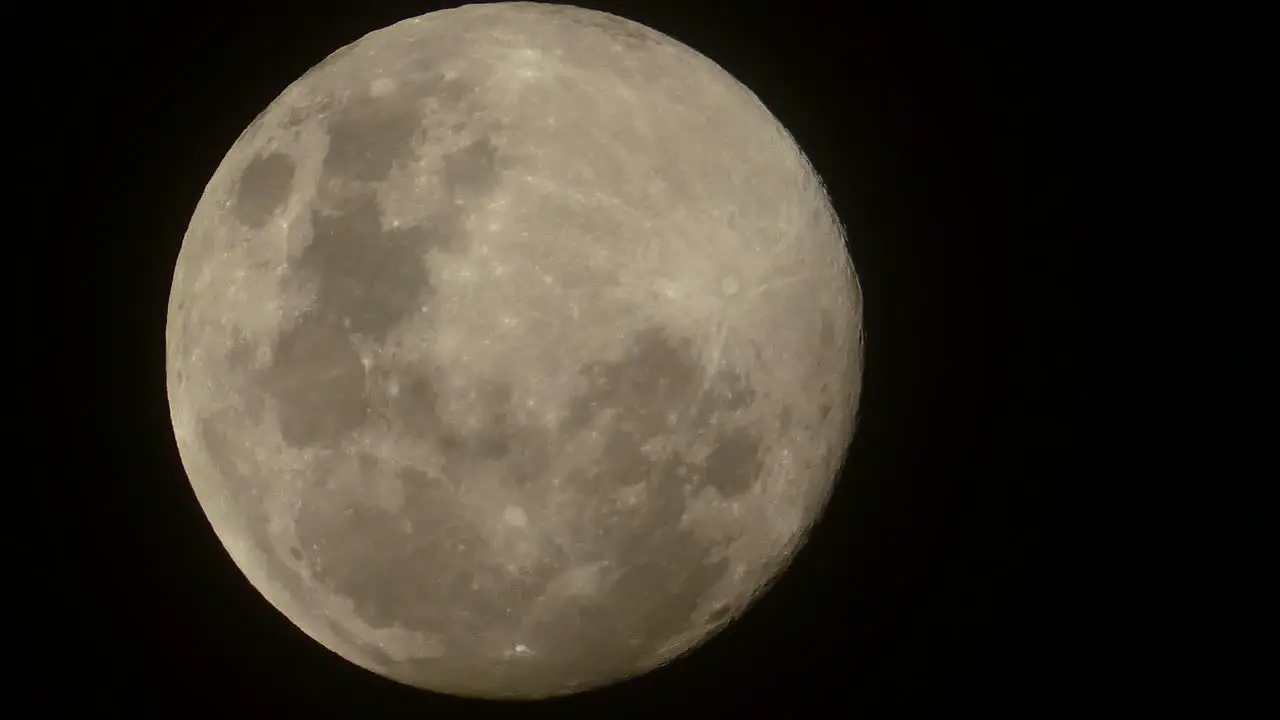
928, 588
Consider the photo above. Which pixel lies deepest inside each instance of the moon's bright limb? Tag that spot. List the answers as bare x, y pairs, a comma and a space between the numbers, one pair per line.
512, 350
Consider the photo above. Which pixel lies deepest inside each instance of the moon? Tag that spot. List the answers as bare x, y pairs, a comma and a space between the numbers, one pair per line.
513, 350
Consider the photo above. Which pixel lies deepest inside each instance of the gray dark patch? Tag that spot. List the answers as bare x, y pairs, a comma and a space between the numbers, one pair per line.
659, 377
296, 553
370, 277
317, 380
663, 571
497, 433
428, 575
734, 465
240, 356
368, 136
263, 188
415, 408
472, 169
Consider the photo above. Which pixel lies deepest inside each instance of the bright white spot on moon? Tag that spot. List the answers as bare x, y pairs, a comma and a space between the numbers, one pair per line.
382, 87
515, 516
729, 286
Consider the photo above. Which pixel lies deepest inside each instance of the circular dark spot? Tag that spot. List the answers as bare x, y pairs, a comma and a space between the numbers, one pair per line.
296, 553
734, 465
263, 188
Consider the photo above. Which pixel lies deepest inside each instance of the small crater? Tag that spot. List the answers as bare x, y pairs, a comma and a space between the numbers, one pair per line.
263, 188
295, 553
784, 421
657, 378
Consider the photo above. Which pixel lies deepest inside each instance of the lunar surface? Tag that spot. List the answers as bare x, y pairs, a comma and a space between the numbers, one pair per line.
513, 349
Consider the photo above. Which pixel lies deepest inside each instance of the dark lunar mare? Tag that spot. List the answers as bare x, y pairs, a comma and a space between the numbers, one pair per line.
263, 189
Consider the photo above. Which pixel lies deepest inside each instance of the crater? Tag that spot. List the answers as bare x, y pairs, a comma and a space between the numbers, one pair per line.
263, 188
473, 169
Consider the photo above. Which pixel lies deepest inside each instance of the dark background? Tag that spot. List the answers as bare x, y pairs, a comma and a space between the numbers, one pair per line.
932, 586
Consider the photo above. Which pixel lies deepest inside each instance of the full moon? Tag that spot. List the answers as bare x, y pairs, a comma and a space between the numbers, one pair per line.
513, 350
